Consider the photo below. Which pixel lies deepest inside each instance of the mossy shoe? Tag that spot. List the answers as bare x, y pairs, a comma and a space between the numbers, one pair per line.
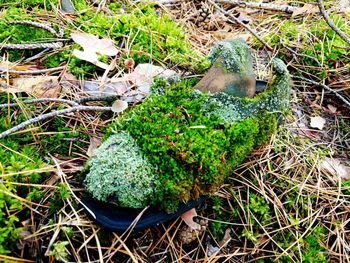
180, 143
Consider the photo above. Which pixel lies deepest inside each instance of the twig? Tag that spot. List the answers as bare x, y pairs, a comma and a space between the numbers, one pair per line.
37, 56
242, 24
44, 26
97, 98
53, 114
53, 45
331, 23
347, 103
12, 105
266, 6
31, 72
342, 47
299, 54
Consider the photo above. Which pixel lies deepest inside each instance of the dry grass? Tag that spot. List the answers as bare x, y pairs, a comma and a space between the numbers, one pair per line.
280, 205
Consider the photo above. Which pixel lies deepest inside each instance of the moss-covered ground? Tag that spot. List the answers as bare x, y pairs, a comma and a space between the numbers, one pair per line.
280, 205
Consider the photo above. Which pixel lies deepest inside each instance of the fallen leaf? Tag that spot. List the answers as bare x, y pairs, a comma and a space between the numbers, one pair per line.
188, 216
132, 87
119, 106
40, 87
306, 9
336, 168
91, 57
93, 46
95, 142
144, 73
290, 163
317, 122
332, 108
302, 130
226, 238
93, 43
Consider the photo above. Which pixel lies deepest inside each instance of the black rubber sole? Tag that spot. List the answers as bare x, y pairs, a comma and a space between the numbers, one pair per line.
119, 219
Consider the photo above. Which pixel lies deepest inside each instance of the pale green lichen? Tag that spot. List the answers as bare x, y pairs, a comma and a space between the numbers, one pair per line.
119, 173
235, 54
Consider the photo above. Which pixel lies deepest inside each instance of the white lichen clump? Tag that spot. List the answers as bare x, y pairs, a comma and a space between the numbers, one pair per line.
119, 173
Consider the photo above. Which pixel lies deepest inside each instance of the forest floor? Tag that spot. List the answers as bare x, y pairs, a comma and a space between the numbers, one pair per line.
288, 202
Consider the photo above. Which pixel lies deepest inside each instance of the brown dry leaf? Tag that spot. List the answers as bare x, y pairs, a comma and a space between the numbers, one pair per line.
226, 238
142, 78
119, 106
95, 142
40, 87
317, 122
5, 64
336, 168
290, 163
332, 108
306, 9
188, 216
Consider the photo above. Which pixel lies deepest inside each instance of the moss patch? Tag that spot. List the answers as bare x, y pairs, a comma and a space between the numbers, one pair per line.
191, 148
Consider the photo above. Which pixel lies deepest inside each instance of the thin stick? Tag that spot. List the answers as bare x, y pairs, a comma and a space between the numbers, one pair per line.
266, 6
53, 114
44, 26
98, 98
331, 23
347, 103
53, 45
12, 105
31, 72
242, 24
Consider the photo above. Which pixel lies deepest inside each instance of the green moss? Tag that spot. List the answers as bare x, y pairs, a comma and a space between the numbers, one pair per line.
192, 149
26, 4
20, 160
192, 139
319, 44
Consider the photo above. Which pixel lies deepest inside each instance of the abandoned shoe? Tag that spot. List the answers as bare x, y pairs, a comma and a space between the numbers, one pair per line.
180, 143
